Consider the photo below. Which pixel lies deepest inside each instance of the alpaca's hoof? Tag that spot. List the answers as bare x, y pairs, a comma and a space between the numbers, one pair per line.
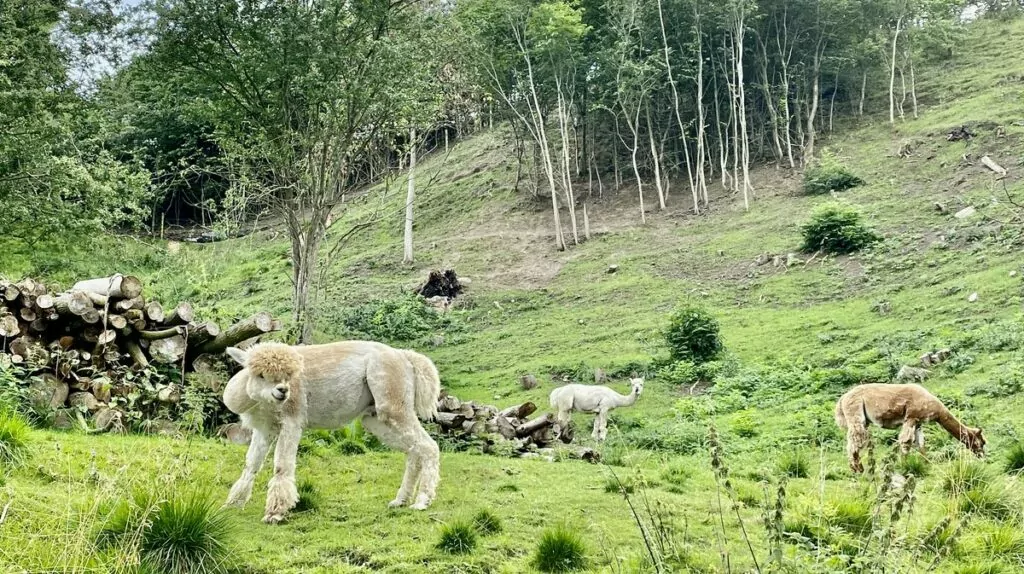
273, 519
396, 503
420, 506
235, 502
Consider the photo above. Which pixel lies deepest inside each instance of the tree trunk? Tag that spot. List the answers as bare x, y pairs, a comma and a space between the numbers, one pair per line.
892, 74
863, 92
654, 158
118, 286
259, 324
411, 195
740, 33
813, 104
181, 314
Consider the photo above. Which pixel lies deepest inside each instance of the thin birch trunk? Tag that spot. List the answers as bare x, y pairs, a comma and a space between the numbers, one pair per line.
410, 196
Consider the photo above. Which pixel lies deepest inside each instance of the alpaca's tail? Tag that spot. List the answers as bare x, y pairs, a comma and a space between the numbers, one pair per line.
840, 416
427, 385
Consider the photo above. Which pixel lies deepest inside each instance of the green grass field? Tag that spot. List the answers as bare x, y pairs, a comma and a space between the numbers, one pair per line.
795, 337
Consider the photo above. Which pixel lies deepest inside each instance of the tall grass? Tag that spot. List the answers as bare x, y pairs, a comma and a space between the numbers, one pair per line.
14, 433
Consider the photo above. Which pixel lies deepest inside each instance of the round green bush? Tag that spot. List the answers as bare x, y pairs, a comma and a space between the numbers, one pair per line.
14, 432
692, 335
837, 228
486, 522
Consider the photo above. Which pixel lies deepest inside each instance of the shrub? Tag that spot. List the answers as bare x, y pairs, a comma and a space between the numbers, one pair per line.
14, 430
404, 318
837, 228
692, 335
744, 424
486, 522
679, 373
794, 465
180, 534
560, 550
309, 496
828, 174
457, 538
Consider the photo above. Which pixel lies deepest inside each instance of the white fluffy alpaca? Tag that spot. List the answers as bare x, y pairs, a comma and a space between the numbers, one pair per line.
592, 399
284, 389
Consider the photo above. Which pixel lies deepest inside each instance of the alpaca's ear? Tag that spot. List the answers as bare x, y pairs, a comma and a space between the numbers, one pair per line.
240, 356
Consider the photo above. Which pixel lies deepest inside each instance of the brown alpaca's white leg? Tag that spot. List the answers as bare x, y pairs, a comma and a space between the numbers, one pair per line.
282, 494
258, 448
919, 439
389, 434
429, 457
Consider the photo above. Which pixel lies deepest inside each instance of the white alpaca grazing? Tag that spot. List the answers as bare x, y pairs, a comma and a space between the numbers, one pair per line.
282, 389
592, 399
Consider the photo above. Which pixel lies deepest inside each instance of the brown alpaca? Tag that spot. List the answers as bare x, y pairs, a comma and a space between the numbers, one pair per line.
892, 406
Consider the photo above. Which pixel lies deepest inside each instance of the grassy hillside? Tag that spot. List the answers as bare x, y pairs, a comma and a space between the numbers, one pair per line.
796, 337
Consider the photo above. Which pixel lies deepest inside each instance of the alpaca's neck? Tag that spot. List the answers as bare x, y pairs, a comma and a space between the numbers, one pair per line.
625, 400
954, 427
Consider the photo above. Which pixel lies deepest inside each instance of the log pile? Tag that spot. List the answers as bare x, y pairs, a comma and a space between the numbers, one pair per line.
74, 344
511, 426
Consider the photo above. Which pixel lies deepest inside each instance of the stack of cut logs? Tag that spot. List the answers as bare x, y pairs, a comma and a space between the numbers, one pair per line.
529, 438
103, 326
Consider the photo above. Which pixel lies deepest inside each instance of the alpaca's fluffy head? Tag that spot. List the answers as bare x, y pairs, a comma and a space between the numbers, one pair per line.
274, 371
637, 384
974, 440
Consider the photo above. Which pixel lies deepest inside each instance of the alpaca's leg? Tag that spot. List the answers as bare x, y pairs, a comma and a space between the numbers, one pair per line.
429, 456
395, 438
856, 439
282, 494
907, 436
919, 439
562, 420
258, 448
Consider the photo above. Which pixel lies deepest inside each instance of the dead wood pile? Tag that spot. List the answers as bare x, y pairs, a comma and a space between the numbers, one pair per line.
79, 346
507, 429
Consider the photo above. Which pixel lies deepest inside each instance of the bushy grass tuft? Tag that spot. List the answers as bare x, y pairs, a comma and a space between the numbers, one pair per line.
560, 550
980, 568
457, 538
619, 486
794, 465
989, 500
913, 465
1004, 541
182, 534
676, 477
309, 496
486, 522
853, 515
14, 431
963, 475
1015, 458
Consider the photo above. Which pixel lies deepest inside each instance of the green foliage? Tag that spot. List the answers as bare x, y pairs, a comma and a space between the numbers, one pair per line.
1007, 383
679, 373
181, 534
829, 174
350, 440
457, 538
14, 436
745, 424
692, 335
615, 485
486, 522
677, 476
989, 500
1002, 541
561, 549
310, 497
794, 464
400, 319
836, 228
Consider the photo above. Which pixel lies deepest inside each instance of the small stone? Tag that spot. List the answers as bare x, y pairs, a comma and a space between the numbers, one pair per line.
966, 212
973, 297
612, 269
1013, 273
792, 259
941, 208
